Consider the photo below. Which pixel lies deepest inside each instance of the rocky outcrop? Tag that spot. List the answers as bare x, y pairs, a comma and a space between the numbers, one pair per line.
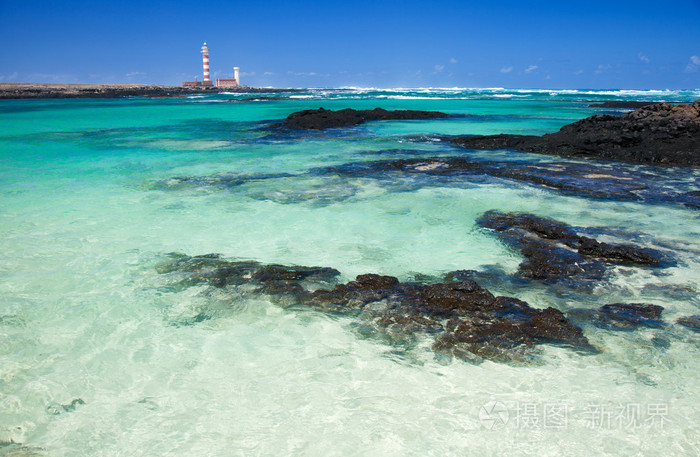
655, 134
554, 251
320, 119
620, 104
467, 320
38, 90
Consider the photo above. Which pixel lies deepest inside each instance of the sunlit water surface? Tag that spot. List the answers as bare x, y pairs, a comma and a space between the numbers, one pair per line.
99, 357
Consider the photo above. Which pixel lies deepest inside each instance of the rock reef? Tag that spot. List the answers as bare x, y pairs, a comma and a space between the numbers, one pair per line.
462, 318
655, 185
466, 320
590, 180
554, 251
320, 119
655, 134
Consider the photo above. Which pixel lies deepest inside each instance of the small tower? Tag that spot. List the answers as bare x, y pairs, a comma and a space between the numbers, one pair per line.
205, 62
235, 75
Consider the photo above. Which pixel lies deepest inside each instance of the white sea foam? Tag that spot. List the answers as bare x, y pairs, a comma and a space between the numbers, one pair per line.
501, 92
413, 97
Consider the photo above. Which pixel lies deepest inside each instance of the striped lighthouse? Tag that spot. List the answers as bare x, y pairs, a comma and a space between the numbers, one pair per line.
205, 62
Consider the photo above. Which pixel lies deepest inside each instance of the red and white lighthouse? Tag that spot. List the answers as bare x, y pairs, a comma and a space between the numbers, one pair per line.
205, 62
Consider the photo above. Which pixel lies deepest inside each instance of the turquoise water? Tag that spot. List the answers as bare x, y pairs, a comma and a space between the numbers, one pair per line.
98, 356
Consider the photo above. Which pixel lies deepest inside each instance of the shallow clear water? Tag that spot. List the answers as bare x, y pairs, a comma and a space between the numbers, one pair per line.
98, 356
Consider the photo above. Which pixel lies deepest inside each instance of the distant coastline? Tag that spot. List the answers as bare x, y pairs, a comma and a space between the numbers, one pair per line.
46, 90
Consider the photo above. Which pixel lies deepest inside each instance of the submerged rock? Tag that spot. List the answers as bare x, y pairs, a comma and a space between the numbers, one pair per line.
692, 199
213, 270
600, 181
620, 316
220, 181
692, 322
655, 134
630, 315
12, 449
55, 408
320, 119
469, 321
554, 250
591, 180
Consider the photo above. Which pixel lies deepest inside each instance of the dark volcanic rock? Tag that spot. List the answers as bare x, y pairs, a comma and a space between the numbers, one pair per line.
548, 262
323, 119
500, 141
656, 134
470, 321
504, 339
553, 250
620, 104
622, 254
476, 323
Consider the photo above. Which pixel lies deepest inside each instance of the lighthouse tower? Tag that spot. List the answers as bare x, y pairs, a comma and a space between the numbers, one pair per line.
205, 64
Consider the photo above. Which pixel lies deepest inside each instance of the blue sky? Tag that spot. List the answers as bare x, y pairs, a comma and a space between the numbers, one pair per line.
515, 44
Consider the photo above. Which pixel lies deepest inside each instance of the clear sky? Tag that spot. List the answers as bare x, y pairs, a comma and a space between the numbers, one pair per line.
433, 43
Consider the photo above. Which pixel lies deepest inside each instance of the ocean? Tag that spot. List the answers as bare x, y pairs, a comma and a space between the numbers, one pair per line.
103, 354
